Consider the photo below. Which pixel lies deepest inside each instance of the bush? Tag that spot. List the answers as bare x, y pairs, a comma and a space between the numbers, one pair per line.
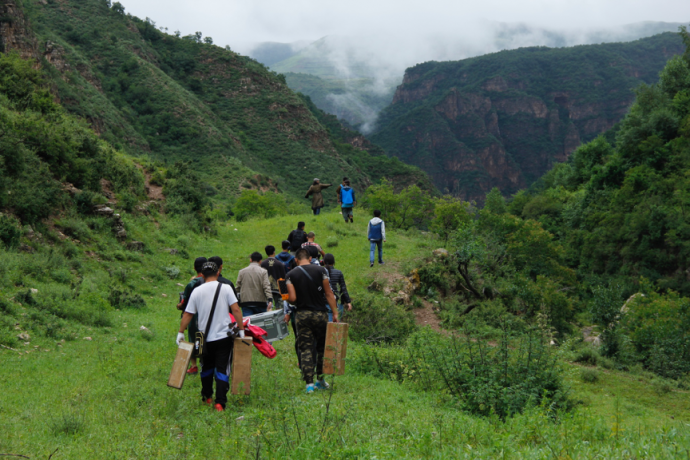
331, 242
377, 320
251, 203
587, 356
122, 299
589, 375
172, 272
10, 231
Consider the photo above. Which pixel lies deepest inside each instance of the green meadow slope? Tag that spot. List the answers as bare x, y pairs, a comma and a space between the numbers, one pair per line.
92, 391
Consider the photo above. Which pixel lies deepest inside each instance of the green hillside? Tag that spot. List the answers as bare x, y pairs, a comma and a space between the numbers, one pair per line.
173, 98
502, 120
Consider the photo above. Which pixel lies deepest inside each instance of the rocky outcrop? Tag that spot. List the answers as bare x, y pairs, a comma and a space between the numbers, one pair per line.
504, 119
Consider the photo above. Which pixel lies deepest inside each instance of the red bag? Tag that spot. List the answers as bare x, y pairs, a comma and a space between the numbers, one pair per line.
257, 334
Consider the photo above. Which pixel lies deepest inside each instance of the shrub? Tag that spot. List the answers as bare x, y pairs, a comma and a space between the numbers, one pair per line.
331, 242
10, 231
251, 203
587, 356
589, 375
377, 319
122, 299
172, 272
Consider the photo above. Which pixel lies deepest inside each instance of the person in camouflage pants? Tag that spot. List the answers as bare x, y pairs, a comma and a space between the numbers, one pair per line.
311, 340
310, 291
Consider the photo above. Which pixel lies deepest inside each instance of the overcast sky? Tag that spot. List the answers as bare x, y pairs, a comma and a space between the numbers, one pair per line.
243, 23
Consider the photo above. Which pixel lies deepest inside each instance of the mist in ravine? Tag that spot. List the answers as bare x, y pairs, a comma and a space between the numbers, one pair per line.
360, 49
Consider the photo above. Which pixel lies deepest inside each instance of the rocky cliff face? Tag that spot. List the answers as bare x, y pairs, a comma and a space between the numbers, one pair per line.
502, 120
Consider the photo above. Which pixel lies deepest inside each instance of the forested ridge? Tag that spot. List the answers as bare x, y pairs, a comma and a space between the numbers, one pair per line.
504, 119
171, 98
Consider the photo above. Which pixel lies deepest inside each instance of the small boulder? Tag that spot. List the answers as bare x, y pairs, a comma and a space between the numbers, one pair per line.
375, 286
135, 246
440, 253
24, 336
103, 210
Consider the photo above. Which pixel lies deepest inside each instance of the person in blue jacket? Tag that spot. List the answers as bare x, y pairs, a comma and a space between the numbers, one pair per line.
347, 201
376, 233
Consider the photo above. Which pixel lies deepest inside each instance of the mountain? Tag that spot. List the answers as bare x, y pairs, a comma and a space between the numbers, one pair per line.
170, 98
502, 120
354, 77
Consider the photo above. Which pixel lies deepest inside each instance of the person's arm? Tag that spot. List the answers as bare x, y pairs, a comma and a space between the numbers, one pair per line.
237, 313
344, 295
268, 292
368, 229
325, 185
383, 230
309, 192
330, 298
238, 285
186, 318
323, 253
292, 294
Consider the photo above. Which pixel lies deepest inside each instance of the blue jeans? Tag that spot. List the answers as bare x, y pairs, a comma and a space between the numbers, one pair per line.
317, 211
330, 312
375, 243
249, 309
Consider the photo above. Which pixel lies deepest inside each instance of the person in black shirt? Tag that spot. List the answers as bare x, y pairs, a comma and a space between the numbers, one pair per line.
297, 237
276, 271
309, 291
337, 280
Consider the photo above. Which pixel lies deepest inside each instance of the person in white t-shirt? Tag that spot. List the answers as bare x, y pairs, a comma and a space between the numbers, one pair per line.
217, 356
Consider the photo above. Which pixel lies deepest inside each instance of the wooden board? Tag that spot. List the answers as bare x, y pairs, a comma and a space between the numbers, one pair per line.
336, 349
242, 366
179, 369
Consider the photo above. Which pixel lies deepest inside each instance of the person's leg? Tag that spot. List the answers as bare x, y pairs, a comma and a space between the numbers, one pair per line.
192, 329
208, 364
222, 352
345, 214
340, 312
294, 330
305, 339
380, 245
372, 252
319, 330
330, 314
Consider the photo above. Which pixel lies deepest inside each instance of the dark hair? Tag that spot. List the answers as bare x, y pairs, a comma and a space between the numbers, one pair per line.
285, 244
256, 257
347, 182
300, 224
209, 269
199, 263
377, 213
302, 254
345, 178
311, 235
329, 259
216, 260
270, 250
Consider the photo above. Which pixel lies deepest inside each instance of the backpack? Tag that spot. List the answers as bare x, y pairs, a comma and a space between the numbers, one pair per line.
347, 195
298, 237
375, 231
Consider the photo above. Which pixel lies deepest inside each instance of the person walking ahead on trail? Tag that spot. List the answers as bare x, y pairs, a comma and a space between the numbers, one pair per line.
193, 327
338, 286
337, 191
276, 271
217, 356
376, 233
285, 257
348, 200
254, 288
315, 250
317, 198
297, 237
309, 290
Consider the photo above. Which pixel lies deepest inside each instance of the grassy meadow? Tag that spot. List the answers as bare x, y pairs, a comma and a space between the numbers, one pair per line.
96, 388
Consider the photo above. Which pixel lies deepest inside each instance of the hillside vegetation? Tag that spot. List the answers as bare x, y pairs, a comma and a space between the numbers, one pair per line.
504, 119
172, 98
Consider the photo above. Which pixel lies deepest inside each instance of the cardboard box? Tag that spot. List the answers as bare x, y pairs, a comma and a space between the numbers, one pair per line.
179, 369
242, 366
336, 349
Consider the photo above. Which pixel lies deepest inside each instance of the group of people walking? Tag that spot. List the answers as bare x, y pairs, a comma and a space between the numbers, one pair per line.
316, 295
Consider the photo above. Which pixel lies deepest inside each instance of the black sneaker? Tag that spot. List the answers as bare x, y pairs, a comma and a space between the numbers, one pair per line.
372, 264
380, 263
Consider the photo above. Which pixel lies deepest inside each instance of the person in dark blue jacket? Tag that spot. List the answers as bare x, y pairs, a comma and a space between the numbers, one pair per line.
376, 233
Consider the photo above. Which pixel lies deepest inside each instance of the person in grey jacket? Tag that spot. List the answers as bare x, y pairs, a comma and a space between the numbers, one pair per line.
376, 234
254, 288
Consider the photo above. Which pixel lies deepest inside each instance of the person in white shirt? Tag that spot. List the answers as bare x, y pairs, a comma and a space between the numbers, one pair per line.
217, 356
